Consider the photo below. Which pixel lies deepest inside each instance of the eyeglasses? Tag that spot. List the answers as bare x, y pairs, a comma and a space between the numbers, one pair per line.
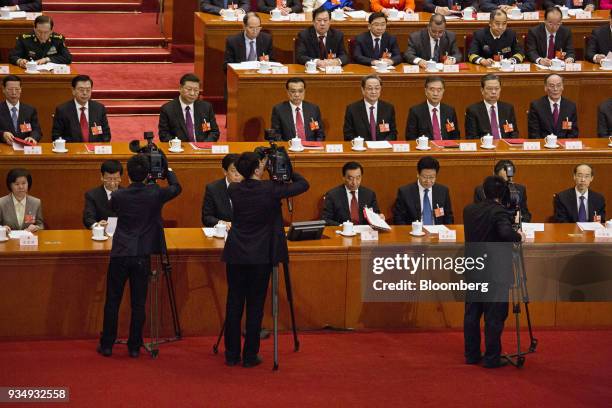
427, 177
112, 179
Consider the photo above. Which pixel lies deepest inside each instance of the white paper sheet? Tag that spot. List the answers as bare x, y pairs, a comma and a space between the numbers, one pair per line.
358, 15
435, 229
589, 226
532, 226
111, 226
19, 234
378, 144
375, 220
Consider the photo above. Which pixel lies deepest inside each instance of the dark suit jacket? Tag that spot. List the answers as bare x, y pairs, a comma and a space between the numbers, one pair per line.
172, 122
215, 6
97, 207
490, 5
257, 235
282, 121
216, 205
308, 45
337, 207
604, 119
479, 196
268, 5
139, 226
430, 5
236, 51
357, 121
420, 47
537, 42
66, 122
407, 208
552, 3
600, 42
24, 5
419, 122
540, 119
363, 49
478, 124
27, 114
566, 206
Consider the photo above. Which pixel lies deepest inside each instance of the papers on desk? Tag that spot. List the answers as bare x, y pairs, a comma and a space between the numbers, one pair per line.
589, 226
19, 234
435, 229
378, 144
17, 146
529, 227
452, 17
246, 65
51, 66
14, 15
357, 15
375, 220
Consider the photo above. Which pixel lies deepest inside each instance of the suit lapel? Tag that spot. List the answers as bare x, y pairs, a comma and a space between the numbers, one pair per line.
289, 113
428, 118
4, 111
76, 118
346, 205
417, 200
181, 117
486, 120
307, 113
365, 117
11, 215
426, 45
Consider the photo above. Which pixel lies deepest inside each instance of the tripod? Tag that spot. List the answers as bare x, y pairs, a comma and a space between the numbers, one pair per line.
519, 293
289, 291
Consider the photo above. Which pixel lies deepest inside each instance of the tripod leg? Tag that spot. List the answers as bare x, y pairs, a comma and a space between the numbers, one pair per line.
153, 346
171, 296
533, 342
288, 289
275, 312
216, 346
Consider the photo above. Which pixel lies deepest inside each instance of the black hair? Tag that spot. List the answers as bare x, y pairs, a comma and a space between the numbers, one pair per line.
111, 167
247, 163
319, 11
584, 164
497, 12
437, 19
428, 162
376, 15
14, 174
81, 78
43, 19
552, 10
352, 165
245, 19
190, 77
550, 75
494, 187
502, 164
370, 76
434, 78
138, 168
294, 80
10, 78
228, 160
489, 77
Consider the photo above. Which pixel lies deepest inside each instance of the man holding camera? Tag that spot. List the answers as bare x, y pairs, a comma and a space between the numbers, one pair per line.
139, 235
255, 243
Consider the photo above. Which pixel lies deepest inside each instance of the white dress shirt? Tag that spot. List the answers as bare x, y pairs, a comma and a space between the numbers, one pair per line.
552, 105
247, 45
20, 207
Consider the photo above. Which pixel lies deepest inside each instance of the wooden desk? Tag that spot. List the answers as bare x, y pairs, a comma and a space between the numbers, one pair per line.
58, 289
211, 31
60, 180
44, 91
10, 29
248, 114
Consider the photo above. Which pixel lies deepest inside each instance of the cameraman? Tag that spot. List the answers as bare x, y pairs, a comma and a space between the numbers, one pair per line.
255, 243
139, 234
484, 223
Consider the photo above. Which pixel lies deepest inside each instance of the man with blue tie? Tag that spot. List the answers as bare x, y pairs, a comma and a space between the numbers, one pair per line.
250, 45
376, 45
424, 200
579, 204
17, 119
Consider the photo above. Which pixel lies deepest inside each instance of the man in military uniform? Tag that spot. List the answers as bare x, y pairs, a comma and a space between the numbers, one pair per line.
494, 43
42, 45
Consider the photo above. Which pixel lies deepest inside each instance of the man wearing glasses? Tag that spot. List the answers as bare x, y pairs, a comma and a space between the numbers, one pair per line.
550, 40
97, 208
321, 43
552, 114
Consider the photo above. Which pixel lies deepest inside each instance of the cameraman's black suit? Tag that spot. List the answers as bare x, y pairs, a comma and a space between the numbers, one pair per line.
488, 222
479, 196
139, 234
254, 244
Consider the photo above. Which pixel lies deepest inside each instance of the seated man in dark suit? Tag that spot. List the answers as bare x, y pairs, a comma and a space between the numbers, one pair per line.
424, 200
376, 44
448, 7
250, 45
217, 207
600, 43
579, 204
321, 43
370, 117
346, 201
97, 200
604, 118
287, 6
587, 5
296, 117
22, 5
550, 40
500, 170
552, 114
42, 45
187, 117
505, 5
16, 118
495, 42
219, 7
491, 116
432, 43
432, 118
81, 119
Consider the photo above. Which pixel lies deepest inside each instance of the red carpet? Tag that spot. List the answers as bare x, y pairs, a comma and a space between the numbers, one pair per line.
570, 369
106, 25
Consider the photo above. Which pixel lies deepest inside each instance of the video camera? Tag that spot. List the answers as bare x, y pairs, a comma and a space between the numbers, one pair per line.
158, 164
278, 164
511, 198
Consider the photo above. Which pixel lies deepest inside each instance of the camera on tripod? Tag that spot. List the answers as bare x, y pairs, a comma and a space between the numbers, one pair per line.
278, 163
158, 164
512, 198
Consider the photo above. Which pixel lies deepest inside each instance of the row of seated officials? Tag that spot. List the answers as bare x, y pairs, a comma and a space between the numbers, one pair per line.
423, 200
191, 119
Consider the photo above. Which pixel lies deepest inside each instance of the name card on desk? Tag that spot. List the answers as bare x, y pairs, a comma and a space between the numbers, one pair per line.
583, 15
450, 68
411, 69
401, 147
61, 69
412, 17
369, 235
531, 15
531, 145
603, 233
280, 70
334, 148
573, 145
522, 68
483, 16
297, 17
468, 147
105, 149
220, 149
28, 240
335, 69
4, 69
573, 67
448, 235
529, 234
32, 150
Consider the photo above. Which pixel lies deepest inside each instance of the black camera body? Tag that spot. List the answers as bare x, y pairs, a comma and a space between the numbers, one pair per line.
278, 164
511, 198
158, 164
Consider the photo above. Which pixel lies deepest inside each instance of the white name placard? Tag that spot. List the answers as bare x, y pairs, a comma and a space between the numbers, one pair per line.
106, 149
448, 235
483, 16
450, 68
531, 15
369, 235
411, 69
401, 147
32, 150
603, 233
573, 67
334, 69
583, 15
531, 145
334, 148
522, 68
280, 70
412, 17
61, 69
28, 240
573, 145
468, 147
4, 69
220, 149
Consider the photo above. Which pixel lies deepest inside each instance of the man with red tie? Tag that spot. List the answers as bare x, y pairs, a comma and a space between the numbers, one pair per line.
296, 117
552, 114
550, 40
432, 118
490, 116
346, 201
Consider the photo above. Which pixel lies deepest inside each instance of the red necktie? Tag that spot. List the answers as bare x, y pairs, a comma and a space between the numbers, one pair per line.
84, 125
494, 124
322, 49
354, 209
299, 125
555, 114
435, 124
551, 47
372, 123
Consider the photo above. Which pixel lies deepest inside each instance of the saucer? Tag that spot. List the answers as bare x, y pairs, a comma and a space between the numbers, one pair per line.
344, 234
507, 70
414, 234
219, 236
605, 69
609, 144
357, 149
296, 150
31, 72
100, 239
552, 147
264, 71
176, 151
487, 147
5, 239
59, 151
423, 148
